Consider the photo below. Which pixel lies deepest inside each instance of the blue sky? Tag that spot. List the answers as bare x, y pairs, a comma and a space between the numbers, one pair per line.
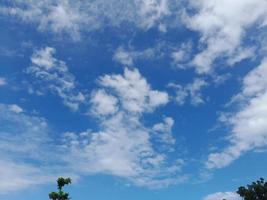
137, 99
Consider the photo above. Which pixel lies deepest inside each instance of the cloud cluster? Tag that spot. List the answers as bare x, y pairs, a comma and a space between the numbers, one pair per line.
122, 146
73, 18
191, 91
51, 74
248, 124
223, 26
133, 92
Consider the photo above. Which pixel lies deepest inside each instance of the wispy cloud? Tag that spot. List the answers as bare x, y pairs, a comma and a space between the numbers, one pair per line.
191, 91
249, 128
181, 56
52, 75
122, 146
26, 153
18, 176
130, 55
64, 16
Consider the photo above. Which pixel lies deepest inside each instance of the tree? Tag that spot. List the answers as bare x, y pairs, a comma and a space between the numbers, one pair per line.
256, 191
60, 195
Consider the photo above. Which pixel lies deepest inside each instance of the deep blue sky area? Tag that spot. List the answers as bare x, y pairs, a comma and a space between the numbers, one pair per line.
138, 99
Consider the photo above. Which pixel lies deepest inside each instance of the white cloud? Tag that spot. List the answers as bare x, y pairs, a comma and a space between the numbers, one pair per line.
133, 91
65, 16
223, 26
123, 57
164, 127
129, 56
181, 94
103, 103
119, 105
122, 147
191, 90
223, 195
153, 10
162, 28
18, 176
240, 55
194, 89
2, 81
29, 155
178, 56
182, 55
59, 17
24, 142
249, 128
44, 58
29, 133
220, 79
51, 74
15, 108
163, 133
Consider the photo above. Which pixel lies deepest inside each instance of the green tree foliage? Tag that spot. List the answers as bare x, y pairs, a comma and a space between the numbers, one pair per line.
60, 194
255, 191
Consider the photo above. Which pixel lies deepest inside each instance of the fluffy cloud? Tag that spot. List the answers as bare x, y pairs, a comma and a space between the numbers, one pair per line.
223, 26
191, 90
51, 74
103, 103
249, 128
123, 146
133, 91
119, 105
64, 16
223, 195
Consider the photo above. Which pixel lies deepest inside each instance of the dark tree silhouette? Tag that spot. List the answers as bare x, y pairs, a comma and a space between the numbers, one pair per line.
255, 191
60, 195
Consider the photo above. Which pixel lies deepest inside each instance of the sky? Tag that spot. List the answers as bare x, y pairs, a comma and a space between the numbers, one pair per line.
136, 99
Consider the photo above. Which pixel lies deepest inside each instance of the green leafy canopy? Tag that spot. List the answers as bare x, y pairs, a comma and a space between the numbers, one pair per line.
60, 194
